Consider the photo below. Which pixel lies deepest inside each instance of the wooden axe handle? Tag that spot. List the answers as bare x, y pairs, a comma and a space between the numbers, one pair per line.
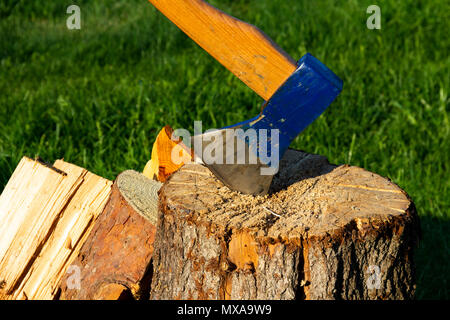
241, 47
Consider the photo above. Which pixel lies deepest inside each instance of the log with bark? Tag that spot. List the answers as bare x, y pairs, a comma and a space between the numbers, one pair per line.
323, 232
114, 262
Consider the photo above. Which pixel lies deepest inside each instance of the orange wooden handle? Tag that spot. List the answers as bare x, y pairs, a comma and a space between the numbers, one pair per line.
241, 47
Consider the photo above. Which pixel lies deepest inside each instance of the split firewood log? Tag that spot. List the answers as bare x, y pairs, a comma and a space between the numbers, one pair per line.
46, 213
114, 262
323, 232
165, 148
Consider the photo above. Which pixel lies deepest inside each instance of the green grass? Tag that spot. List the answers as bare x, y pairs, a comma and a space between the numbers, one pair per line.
98, 96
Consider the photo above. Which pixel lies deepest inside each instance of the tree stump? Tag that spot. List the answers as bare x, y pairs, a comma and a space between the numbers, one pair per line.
114, 262
323, 232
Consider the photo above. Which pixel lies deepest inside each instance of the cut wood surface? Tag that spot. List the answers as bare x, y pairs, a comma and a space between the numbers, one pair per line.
166, 149
241, 47
114, 262
46, 212
323, 232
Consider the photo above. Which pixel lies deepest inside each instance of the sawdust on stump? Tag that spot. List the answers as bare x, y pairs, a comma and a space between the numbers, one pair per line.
323, 232
114, 263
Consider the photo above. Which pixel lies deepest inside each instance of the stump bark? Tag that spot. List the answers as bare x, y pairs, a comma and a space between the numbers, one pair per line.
114, 262
323, 232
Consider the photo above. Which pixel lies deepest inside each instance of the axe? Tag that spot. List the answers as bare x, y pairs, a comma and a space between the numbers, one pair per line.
295, 94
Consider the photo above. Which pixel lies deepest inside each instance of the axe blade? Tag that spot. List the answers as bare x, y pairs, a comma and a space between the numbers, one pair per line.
249, 161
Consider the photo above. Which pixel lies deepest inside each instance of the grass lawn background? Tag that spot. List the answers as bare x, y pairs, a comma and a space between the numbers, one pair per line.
98, 96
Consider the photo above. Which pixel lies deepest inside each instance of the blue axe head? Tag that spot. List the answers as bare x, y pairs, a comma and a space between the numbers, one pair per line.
245, 156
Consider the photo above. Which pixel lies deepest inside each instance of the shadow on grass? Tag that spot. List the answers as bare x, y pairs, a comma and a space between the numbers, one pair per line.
432, 258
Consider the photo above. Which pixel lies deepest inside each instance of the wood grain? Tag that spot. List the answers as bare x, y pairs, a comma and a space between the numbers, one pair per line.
166, 149
241, 47
46, 213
